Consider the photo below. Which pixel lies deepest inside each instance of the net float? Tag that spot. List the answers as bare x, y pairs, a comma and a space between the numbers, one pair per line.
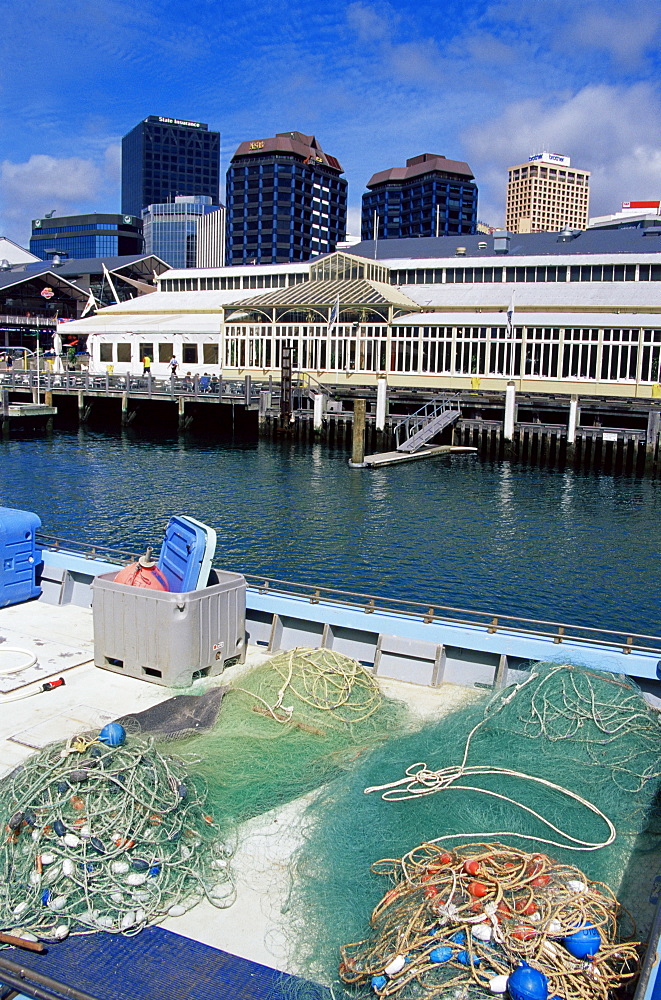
478, 889
397, 964
523, 932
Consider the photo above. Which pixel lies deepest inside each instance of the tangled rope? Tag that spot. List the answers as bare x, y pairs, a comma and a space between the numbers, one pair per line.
324, 680
472, 915
572, 711
107, 838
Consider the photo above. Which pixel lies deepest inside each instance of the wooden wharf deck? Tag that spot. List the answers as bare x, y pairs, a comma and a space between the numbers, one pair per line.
21, 415
611, 434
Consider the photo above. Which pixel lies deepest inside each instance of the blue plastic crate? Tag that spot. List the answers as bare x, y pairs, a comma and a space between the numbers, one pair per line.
19, 556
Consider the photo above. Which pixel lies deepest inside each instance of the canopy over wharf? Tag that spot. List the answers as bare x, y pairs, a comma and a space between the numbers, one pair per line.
338, 320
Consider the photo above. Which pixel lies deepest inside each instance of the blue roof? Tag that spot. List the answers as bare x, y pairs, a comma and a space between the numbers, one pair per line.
590, 241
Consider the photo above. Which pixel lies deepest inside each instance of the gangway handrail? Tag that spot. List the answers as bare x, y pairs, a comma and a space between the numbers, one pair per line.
304, 376
413, 422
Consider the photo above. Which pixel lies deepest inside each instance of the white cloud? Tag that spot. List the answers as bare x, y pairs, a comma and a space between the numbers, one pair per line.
370, 23
627, 35
68, 185
613, 131
69, 179
353, 220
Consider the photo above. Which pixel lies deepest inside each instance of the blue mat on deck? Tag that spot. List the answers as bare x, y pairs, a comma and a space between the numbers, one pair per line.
159, 965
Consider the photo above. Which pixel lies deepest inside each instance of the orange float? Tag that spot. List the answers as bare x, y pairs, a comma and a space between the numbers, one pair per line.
143, 573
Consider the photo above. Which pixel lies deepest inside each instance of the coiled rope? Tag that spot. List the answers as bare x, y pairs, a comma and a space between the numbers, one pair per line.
559, 718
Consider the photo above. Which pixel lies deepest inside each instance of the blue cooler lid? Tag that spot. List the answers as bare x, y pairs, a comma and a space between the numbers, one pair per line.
187, 554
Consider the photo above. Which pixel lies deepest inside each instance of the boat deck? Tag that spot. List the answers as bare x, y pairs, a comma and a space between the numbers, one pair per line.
61, 638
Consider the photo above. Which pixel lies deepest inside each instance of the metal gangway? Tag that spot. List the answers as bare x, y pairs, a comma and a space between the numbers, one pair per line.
414, 431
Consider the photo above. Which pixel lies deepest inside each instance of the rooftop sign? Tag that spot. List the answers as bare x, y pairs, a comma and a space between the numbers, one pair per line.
175, 121
563, 161
642, 204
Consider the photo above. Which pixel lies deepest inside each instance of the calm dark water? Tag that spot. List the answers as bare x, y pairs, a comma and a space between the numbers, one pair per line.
455, 530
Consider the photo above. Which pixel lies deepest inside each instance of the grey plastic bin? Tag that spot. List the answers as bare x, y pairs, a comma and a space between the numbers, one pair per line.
167, 638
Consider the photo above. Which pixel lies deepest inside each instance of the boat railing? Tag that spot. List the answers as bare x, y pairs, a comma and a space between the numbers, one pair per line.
623, 641
560, 632
99, 553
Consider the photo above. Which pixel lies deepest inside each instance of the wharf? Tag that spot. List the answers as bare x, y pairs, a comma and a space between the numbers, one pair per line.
398, 457
22, 414
605, 433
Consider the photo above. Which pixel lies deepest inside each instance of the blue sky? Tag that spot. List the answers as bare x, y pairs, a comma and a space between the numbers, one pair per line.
376, 82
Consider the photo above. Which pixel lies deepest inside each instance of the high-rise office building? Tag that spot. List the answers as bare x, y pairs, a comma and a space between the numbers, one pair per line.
547, 194
171, 228
82, 236
211, 239
430, 196
286, 201
166, 157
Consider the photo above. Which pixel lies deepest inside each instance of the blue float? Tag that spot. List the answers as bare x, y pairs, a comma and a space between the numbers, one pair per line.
526, 983
378, 982
440, 955
584, 942
113, 735
465, 959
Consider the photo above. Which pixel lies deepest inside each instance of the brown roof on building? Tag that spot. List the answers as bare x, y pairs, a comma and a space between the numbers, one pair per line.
416, 166
305, 147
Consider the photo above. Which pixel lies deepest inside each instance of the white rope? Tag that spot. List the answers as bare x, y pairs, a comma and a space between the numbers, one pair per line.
419, 781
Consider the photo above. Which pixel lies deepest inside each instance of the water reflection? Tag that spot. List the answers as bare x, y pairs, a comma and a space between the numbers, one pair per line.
454, 531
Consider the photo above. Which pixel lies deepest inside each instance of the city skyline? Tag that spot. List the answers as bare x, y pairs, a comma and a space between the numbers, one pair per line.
376, 82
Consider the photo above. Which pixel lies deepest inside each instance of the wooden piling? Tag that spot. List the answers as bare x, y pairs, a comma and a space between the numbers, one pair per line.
652, 438
358, 437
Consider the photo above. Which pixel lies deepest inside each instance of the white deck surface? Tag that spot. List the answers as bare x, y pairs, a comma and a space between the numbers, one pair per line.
62, 638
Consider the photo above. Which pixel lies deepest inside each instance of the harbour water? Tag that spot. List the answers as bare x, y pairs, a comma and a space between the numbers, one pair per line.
553, 544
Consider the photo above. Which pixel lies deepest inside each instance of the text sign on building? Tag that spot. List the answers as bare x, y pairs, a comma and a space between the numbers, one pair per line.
642, 204
47, 293
178, 121
257, 144
563, 161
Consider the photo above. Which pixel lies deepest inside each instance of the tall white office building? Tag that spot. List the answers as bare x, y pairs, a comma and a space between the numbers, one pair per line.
547, 194
211, 239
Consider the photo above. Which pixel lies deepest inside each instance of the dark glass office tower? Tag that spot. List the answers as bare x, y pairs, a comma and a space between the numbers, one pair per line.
430, 196
166, 157
286, 201
81, 236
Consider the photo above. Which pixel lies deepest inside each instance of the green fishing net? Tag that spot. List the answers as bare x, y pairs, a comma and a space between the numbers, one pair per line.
288, 726
589, 741
99, 837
